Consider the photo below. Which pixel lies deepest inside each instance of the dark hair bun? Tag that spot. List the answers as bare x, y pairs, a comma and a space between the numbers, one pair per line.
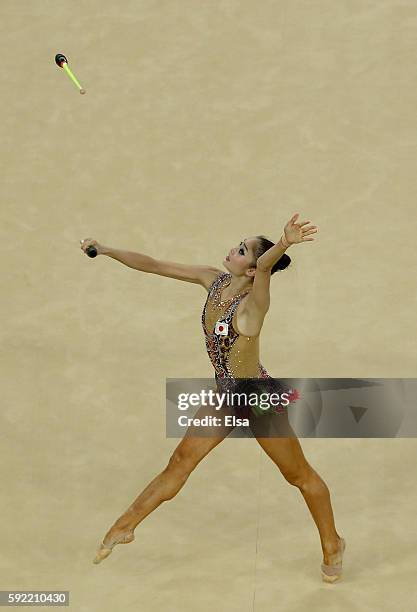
264, 244
282, 263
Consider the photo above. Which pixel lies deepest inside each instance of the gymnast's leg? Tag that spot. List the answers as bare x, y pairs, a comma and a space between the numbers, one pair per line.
187, 455
283, 447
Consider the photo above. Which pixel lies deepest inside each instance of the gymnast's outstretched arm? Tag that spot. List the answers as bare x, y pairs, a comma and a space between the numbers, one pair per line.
201, 275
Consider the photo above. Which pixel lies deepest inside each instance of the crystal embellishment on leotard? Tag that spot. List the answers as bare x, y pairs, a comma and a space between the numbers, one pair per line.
217, 289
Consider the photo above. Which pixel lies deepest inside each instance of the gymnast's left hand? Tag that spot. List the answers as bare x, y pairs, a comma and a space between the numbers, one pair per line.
298, 232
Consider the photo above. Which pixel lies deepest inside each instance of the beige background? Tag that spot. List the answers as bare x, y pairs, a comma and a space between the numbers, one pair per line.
203, 123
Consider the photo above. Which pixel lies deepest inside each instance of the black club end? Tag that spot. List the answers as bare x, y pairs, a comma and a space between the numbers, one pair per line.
60, 59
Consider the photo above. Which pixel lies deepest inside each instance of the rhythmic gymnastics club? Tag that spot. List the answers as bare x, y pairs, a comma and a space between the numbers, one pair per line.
62, 62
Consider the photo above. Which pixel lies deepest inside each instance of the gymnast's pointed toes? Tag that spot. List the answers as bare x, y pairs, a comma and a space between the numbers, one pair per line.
102, 553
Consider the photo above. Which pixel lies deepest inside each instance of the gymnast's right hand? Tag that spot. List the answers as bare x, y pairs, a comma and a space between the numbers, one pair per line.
87, 242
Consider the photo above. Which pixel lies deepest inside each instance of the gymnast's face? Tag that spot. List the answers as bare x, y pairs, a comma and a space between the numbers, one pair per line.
240, 260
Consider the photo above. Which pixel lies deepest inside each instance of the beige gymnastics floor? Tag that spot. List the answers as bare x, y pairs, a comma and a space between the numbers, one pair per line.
203, 123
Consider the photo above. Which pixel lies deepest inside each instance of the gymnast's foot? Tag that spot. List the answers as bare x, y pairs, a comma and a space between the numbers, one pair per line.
332, 562
114, 536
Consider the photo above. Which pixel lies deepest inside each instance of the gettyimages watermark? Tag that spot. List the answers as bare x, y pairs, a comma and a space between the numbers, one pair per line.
261, 402
305, 407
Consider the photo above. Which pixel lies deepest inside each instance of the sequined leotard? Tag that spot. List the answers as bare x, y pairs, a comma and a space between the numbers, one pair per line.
235, 357
232, 354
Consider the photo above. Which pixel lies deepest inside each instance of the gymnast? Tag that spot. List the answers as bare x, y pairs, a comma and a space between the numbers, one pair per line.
232, 318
